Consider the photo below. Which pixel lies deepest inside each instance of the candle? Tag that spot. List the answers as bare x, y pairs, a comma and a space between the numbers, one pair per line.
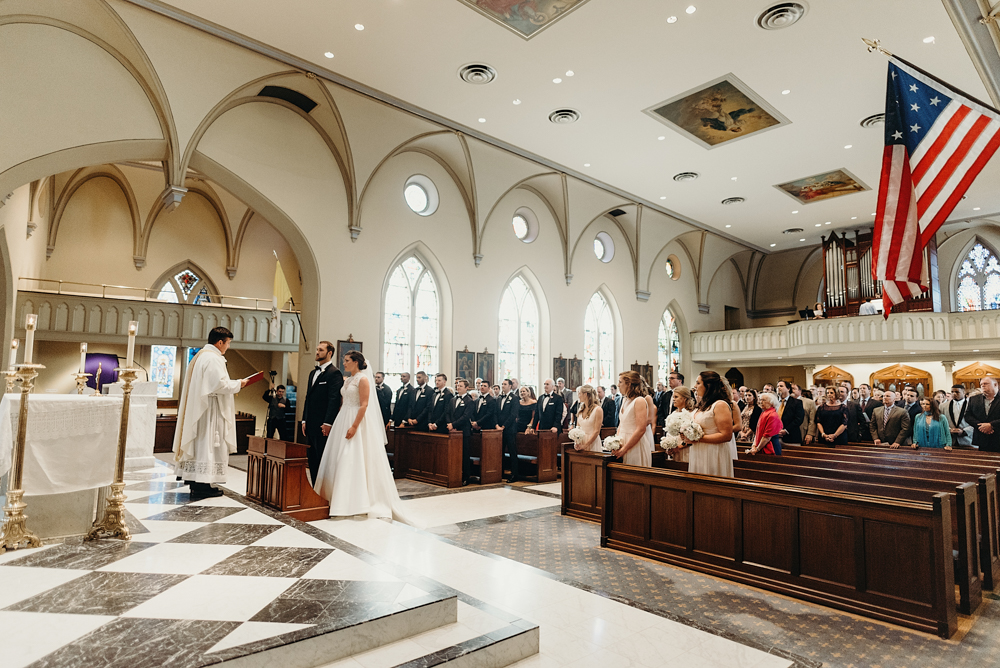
29, 340
83, 358
13, 352
133, 327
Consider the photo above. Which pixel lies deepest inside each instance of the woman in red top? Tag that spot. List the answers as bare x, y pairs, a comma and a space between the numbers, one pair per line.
768, 425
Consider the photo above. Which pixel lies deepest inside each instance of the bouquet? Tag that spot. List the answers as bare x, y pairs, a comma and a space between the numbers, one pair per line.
576, 435
613, 443
680, 424
670, 441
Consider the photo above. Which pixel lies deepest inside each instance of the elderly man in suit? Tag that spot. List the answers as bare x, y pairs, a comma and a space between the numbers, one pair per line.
549, 412
890, 423
954, 411
984, 416
322, 404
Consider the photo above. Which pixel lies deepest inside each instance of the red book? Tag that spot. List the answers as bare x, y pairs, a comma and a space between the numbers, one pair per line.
254, 378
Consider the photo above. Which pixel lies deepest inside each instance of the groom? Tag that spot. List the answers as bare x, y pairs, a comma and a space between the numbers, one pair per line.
322, 404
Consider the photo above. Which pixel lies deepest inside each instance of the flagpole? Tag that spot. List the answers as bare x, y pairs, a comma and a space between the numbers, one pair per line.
292, 300
875, 45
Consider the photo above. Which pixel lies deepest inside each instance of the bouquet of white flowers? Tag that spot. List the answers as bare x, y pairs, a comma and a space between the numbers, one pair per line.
613, 443
576, 435
680, 423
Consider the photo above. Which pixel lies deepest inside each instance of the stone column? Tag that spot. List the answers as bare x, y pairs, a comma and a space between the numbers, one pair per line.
809, 369
949, 368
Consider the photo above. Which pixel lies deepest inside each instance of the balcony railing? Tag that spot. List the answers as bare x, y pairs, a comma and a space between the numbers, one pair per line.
104, 290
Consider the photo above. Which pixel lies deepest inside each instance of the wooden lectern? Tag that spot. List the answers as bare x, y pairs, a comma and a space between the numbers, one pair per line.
277, 478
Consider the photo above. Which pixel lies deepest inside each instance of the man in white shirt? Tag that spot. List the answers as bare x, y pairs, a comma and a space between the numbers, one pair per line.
954, 411
868, 307
206, 418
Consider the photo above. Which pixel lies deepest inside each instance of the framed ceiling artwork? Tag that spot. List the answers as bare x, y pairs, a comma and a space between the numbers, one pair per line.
819, 187
527, 18
720, 111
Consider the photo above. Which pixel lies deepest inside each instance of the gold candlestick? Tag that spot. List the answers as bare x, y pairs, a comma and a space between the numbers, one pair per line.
81, 381
15, 532
112, 525
11, 375
97, 381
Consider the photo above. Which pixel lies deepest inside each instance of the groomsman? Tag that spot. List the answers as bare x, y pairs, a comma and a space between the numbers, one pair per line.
322, 404
441, 405
404, 397
608, 406
485, 416
384, 395
420, 403
954, 411
616, 395
507, 420
549, 412
460, 415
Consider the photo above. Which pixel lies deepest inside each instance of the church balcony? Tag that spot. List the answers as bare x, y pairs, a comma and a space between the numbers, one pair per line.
101, 313
925, 336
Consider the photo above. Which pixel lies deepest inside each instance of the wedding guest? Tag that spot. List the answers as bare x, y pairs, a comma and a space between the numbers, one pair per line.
889, 422
404, 397
322, 404
954, 412
570, 420
439, 414
711, 455
607, 407
616, 395
809, 412
675, 379
507, 408
495, 391
931, 430
984, 416
768, 426
384, 395
633, 422
549, 412
941, 396
868, 405
750, 414
910, 404
768, 388
420, 403
515, 385
564, 392
485, 413
589, 419
854, 417
831, 419
791, 413
526, 411
868, 307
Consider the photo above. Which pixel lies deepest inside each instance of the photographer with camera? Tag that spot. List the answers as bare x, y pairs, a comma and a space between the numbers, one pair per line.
277, 404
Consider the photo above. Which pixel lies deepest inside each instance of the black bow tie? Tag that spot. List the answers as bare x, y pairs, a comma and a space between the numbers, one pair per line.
319, 368
437, 391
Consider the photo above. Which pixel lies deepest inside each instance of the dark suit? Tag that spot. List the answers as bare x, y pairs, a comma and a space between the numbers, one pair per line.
855, 421
608, 406
913, 411
664, 406
384, 395
893, 432
618, 408
401, 410
323, 400
485, 412
507, 405
420, 406
868, 409
549, 412
976, 414
440, 411
791, 419
461, 411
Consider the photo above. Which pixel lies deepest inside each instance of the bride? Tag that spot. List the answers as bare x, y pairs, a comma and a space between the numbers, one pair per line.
354, 473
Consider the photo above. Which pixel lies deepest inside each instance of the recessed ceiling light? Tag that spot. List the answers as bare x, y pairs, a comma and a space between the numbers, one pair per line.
664, 197
691, 9
557, 80
671, 19
482, 120
518, 101
873, 213
849, 146
773, 245
358, 26
661, 137
586, 164
818, 225
569, 73
328, 54
794, 211
785, 92
734, 178
827, 222
976, 350
929, 40
885, 351
975, 208
852, 218
728, 225
801, 239
913, 353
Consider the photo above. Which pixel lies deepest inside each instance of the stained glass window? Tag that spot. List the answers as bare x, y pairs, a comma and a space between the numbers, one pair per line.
518, 333
168, 294
599, 343
185, 287
411, 335
669, 344
187, 280
164, 359
979, 280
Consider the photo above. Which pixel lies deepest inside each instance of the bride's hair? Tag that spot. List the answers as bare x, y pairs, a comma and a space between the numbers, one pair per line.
359, 358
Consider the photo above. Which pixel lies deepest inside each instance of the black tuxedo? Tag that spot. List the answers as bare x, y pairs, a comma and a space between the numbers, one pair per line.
549, 412
791, 419
323, 400
401, 410
440, 412
855, 421
664, 407
976, 414
485, 412
384, 395
507, 406
462, 410
420, 406
608, 406
868, 409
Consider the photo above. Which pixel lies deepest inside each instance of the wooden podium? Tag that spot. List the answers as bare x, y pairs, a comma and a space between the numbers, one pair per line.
277, 478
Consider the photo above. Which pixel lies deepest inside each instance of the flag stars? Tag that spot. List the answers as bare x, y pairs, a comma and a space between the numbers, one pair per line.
915, 107
914, 128
935, 101
913, 88
897, 135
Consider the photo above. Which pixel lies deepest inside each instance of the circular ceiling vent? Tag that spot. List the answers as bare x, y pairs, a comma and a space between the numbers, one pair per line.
792, 230
564, 116
733, 200
781, 15
686, 176
873, 120
477, 73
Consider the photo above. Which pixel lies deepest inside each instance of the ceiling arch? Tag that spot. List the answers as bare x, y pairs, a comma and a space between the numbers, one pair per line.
78, 179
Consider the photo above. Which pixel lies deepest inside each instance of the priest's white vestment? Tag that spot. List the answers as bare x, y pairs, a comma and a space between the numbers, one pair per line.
206, 419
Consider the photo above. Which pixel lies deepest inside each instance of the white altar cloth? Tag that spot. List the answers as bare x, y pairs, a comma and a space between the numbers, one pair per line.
71, 443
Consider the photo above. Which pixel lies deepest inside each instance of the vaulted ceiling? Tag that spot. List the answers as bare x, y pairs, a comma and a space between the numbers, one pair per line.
625, 56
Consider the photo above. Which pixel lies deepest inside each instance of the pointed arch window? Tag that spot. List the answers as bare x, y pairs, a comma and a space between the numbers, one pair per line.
412, 312
979, 280
518, 333
185, 284
669, 345
599, 343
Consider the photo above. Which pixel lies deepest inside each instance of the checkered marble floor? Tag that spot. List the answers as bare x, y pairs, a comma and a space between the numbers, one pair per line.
200, 582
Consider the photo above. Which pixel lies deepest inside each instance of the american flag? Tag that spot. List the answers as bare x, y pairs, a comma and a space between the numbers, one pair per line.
937, 140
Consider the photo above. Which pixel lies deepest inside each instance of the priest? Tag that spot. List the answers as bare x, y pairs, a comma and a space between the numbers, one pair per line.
206, 418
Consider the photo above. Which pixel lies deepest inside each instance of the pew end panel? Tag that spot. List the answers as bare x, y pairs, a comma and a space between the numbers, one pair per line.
583, 483
429, 457
487, 454
539, 450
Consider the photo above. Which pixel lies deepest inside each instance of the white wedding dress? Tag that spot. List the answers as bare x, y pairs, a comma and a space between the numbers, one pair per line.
354, 473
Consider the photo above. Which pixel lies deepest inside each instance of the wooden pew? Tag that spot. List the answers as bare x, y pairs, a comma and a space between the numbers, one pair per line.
487, 455
429, 457
393, 448
889, 559
583, 482
539, 450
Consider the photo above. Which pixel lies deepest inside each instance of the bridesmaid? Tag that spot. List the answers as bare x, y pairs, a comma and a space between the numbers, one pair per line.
589, 417
683, 402
711, 455
633, 420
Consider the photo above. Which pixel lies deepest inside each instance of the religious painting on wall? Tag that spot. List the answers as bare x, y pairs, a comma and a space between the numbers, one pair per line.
465, 365
484, 366
645, 371
162, 370
720, 111
527, 18
344, 347
560, 369
819, 187
574, 376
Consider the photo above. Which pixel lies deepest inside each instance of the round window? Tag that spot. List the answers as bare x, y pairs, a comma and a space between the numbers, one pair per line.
604, 247
420, 195
673, 267
525, 224
520, 227
599, 249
